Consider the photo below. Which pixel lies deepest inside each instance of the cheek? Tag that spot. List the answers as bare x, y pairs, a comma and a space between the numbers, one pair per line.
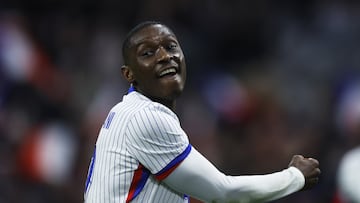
143, 70
184, 74
180, 56
144, 64
183, 67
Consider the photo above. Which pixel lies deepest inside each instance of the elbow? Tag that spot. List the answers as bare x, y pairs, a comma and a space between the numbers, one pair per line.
229, 190
225, 191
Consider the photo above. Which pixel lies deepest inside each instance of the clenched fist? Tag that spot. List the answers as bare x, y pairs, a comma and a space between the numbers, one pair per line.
310, 169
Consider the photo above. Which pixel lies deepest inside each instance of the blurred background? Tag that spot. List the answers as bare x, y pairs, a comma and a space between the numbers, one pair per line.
266, 80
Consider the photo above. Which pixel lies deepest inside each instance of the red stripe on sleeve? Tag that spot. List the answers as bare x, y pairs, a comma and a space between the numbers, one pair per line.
167, 173
135, 182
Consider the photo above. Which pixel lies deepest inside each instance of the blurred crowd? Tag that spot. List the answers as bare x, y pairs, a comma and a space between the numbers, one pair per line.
266, 80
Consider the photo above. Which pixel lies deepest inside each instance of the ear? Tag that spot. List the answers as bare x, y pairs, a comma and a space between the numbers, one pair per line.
127, 73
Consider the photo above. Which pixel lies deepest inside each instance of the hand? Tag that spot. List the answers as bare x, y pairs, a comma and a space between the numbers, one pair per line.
310, 169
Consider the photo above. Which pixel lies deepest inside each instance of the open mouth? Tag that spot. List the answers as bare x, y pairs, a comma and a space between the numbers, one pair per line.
168, 72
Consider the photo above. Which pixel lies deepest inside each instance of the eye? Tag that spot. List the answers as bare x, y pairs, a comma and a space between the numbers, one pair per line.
147, 53
172, 46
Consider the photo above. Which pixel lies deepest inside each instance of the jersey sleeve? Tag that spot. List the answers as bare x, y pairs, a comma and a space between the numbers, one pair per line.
156, 139
210, 185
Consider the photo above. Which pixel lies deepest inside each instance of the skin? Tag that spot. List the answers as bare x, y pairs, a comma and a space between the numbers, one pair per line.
153, 49
309, 167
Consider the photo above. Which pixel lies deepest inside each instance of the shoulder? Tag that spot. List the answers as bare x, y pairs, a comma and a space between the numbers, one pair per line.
141, 104
137, 112
132, 103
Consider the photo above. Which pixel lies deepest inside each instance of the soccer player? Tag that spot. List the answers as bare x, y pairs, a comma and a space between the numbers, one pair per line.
143, 155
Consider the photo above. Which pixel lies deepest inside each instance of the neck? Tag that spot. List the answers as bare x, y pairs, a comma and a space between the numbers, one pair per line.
171, 104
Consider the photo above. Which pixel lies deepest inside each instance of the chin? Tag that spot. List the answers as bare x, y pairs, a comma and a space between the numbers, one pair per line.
173, 91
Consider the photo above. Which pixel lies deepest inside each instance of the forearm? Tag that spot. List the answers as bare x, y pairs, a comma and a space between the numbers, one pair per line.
197, 177
264, 187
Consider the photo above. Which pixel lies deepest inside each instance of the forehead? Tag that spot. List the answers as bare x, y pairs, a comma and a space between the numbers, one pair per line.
152, 33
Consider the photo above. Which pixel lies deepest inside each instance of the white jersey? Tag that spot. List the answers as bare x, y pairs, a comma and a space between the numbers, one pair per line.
349, 177
140, 143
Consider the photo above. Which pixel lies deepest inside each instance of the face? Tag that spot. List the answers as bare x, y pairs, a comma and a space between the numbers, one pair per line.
157, 63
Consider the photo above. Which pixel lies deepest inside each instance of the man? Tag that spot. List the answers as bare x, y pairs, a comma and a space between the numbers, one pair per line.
348, 120
143, 155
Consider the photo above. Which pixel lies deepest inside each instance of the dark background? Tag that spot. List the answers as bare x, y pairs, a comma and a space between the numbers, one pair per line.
266, 80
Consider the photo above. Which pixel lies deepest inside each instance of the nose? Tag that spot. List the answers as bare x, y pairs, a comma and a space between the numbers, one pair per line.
163, 54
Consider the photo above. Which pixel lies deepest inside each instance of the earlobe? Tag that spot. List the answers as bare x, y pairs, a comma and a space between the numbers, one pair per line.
127, 73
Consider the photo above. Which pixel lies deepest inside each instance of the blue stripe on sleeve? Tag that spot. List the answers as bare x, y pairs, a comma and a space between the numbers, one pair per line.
175, 161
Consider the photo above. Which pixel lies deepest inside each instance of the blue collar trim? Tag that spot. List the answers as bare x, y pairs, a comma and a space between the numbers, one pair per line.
131, 89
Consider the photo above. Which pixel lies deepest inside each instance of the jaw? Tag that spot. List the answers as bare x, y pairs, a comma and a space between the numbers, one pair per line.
165, 88
171, 87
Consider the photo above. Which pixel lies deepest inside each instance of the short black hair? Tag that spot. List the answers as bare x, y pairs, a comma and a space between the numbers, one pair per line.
126, 44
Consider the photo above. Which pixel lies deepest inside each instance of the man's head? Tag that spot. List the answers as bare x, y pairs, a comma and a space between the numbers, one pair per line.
154, 61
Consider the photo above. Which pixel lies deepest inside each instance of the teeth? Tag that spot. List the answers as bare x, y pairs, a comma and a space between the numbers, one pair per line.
167, 71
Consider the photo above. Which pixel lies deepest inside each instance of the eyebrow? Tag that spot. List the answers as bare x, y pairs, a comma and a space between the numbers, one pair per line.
147, 40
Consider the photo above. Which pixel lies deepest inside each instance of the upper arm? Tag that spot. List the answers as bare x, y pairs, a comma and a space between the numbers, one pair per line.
155, 138
199, 178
